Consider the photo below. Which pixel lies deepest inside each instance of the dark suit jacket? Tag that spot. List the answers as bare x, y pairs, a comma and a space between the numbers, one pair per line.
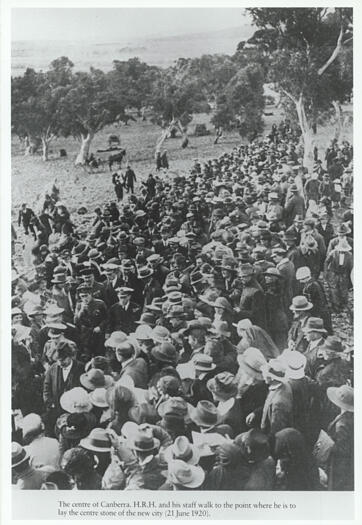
137, 370
54, 385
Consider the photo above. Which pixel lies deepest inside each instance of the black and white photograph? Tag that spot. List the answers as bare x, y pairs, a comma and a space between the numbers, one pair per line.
182, 243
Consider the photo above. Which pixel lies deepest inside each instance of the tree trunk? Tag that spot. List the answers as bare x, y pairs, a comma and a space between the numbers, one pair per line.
84, 149
45, 144
31, 145
307, 134
338, 117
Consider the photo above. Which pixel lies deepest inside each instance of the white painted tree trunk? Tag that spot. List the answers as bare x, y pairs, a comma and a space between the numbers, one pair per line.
307, 134
45, 145
84, 149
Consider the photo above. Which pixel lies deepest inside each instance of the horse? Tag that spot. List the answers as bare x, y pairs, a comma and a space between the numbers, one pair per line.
117, 157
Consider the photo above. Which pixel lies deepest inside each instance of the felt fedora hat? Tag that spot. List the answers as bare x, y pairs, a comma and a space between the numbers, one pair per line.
184, 450
97, 441
95, 378
342, 396
223, 385
205, 414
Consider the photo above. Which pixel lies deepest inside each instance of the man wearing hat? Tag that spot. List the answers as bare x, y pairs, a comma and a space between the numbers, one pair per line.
97, 289
151, 286
296, 228
123, 314
313, 290
252, 300
278, 407
315, 334
91, 319
341, 430
36, 316
56, 338
294, 205
287, 271
26, 476
208, 420
147, 472
60, 297
331, 367
300, 308
183, 476
61, 376
339, 265
132, 366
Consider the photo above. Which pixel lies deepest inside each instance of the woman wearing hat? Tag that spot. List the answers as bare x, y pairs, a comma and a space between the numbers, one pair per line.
252, 335
341, 430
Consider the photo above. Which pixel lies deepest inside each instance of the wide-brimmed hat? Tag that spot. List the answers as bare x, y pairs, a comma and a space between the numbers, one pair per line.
173, 406
332, 344
184, 450
252, 361
143, 441
276, 370
223, 385
160, 334
300, 304
116, 339
273, 272
314, 324
95, 378
75, 400
205, 414
181, 473
295, 362
209, 297
97, 441
145, 272
165, 352
203, 363
222, 302
143, 332
147, 319
18, 454
98, 397
342, 396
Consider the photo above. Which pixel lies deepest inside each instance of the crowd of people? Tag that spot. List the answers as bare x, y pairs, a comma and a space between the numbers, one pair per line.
186, 340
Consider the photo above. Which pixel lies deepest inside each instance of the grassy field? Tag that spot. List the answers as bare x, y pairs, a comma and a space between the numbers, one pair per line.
31, 176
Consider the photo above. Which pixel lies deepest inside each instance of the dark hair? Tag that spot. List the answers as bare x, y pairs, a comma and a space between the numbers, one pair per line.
61, 479
64, 350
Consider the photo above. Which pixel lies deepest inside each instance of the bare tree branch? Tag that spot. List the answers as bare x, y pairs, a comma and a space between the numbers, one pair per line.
335, 53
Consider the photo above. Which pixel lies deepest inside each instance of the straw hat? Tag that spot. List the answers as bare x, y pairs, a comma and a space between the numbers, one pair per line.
75, 400
300, 304
98, 398
252, 361
181, 473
